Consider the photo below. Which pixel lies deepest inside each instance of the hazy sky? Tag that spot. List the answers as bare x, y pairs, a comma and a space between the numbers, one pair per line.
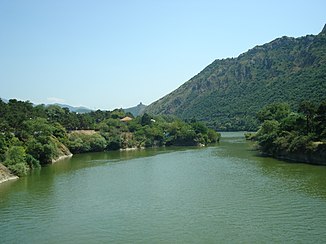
109, 54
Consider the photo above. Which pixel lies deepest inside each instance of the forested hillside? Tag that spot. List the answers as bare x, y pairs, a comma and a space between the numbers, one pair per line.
228, 93
31, 136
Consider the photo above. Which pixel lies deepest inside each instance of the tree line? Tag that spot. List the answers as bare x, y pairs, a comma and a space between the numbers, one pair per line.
299, 135
31, 136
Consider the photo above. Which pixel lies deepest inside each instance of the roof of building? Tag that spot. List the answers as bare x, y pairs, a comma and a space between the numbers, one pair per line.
126, 119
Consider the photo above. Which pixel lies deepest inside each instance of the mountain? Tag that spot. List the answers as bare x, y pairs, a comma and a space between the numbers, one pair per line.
137, 110
80, 110
4, 100
228, 93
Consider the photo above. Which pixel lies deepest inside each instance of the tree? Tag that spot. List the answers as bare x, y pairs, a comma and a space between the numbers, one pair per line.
145, 119
79, 142
321, 120
38, 127
267, 134
293, 122
55, 113
274, 111
32, 162
17, 113
213, 136
118, 114
97, 143
199, 127
114, 143
309, 110
16, 160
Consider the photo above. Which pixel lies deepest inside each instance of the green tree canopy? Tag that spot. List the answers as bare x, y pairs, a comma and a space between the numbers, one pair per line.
16, 160
274, 111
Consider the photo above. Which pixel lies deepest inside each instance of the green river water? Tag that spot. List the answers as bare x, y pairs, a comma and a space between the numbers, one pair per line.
219, 194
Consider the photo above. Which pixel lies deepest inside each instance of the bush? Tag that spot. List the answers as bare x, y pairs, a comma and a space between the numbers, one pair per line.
16, 160
97, 143
300, 144
213, 136
114, 143
19, 169
32, 162
267, 135
79, 143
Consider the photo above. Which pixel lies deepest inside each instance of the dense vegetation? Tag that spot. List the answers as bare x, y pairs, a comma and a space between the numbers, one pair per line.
228, 93
299, 135
31, 136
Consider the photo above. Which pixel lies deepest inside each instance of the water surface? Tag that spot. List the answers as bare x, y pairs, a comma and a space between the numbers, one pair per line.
224, 193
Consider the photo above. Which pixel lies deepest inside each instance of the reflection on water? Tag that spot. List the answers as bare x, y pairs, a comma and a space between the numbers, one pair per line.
223, 193
298, 176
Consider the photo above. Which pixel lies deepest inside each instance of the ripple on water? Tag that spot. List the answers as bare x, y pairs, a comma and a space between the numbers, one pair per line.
190, 196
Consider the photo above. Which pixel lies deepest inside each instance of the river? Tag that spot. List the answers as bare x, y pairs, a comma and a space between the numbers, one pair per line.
223, 193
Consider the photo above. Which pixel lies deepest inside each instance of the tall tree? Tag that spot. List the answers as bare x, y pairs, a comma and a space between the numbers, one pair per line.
309, 111
321, 120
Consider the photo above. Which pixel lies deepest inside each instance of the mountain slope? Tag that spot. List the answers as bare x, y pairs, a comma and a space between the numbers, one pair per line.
4, 100
228, 93
80, 110
137, 110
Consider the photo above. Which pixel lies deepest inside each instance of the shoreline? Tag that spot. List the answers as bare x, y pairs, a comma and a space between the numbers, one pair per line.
8, 179
131, 149
61, 158
302, 158
6, 175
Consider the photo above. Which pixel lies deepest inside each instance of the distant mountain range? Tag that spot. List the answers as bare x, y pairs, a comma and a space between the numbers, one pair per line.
71, 108
4, 100
137, 110
228, 93
80, 110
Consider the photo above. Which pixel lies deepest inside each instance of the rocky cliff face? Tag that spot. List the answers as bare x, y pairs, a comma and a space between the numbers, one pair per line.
5, 174
63, 152
228, 93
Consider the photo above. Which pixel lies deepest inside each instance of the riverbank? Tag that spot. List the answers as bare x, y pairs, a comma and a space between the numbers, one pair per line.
131, 149
62, 157
310, 153
293, 135
300, 157
5, 174
62, 151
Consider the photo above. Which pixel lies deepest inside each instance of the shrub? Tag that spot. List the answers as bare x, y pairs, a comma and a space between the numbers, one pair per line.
16, 160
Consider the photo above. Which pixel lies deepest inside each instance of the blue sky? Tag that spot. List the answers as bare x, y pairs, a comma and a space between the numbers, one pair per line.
111, 54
